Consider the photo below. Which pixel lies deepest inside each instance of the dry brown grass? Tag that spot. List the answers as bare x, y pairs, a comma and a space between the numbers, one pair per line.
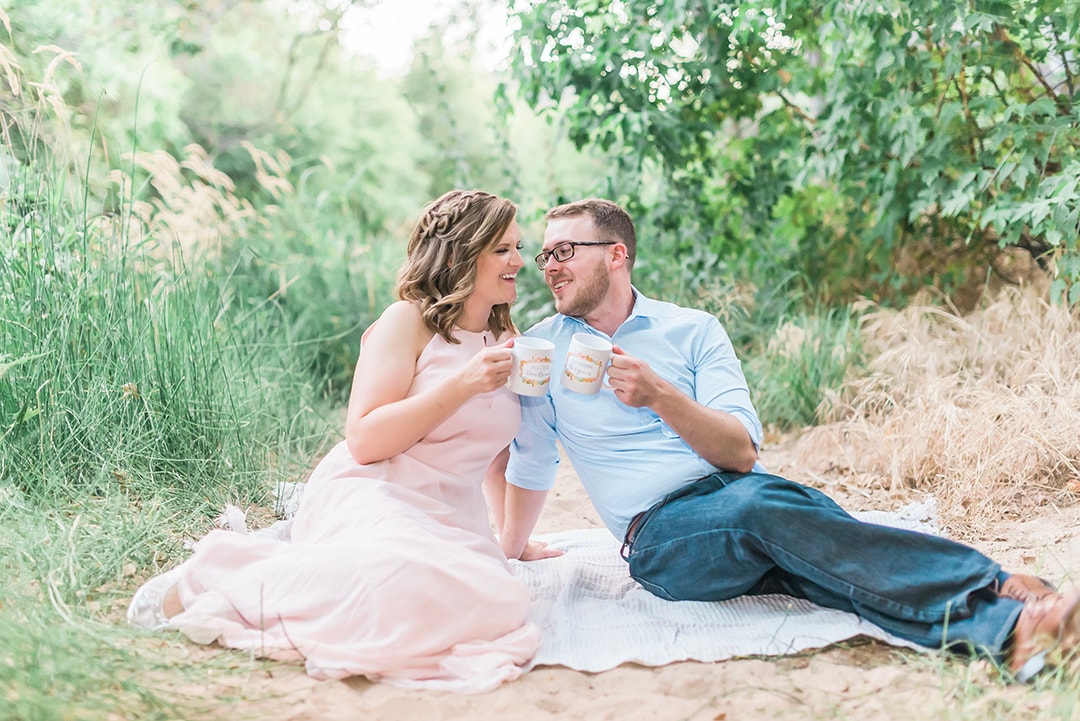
193, 207
982, 410
32, 112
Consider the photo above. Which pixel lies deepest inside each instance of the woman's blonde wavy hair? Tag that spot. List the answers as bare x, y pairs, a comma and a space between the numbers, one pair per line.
440, 268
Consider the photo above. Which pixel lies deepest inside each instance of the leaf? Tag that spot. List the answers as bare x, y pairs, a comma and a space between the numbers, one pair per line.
5, 367
1037, 211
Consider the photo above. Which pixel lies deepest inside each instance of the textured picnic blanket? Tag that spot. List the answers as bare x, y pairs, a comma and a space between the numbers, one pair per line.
594, 617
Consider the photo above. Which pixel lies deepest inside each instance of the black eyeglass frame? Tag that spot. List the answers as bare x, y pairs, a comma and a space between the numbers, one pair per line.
542, 258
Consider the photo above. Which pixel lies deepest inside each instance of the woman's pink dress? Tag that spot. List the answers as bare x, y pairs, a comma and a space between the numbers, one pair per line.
392, 571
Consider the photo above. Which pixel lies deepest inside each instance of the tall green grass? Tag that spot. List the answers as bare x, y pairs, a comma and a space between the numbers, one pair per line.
140, 392
326, 277
126, 372
799, 366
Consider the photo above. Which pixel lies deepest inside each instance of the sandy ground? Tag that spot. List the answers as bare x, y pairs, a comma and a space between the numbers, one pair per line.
856, 680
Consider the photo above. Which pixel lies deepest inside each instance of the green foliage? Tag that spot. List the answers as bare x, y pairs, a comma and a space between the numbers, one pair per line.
67, 580
114, 78
264, 77
869, 147
804, 362
141, 388
463, 147
323, 277
123, 371
45, 674
67, 49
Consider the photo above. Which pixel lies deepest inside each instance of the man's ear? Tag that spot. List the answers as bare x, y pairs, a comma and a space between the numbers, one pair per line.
619, 255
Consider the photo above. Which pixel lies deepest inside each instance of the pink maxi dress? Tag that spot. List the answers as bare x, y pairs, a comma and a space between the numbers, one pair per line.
392, 571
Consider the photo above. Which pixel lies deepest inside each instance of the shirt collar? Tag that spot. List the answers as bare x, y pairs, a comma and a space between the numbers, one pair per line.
644, 307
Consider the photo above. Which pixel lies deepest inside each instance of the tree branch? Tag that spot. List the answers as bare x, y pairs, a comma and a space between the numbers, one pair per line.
1065, 64
976, 135
1002, 35
802, 114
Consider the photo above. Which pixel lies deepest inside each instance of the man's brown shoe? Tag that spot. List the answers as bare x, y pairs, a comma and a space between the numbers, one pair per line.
1047, 634
1025, 589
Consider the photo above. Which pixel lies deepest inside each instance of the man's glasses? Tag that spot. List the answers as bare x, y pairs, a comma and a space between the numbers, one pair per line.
565, 251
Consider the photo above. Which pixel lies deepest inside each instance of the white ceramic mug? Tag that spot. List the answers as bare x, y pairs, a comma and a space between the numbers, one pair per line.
586, 361
532, 366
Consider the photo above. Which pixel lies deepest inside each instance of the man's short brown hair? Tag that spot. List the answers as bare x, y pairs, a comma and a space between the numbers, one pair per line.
610, 220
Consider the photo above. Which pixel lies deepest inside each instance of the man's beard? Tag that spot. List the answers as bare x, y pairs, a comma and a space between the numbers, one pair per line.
588, 295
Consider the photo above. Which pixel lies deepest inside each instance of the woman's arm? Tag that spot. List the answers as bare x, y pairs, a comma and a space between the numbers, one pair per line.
521, 511
507, 502
495, 488
381, 421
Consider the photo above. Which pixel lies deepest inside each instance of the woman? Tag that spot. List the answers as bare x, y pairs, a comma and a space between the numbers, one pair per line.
392, 571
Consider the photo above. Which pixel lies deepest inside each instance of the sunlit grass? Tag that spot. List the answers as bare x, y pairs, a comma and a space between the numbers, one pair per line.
142, 387
803, 362
58, 662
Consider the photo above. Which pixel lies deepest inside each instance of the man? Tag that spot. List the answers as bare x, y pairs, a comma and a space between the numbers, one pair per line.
668, 455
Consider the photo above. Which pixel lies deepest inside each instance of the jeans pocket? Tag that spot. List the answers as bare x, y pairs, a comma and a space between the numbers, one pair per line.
647, 568
658, 591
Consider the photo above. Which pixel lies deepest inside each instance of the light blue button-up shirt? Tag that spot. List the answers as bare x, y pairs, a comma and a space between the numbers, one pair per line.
628, 458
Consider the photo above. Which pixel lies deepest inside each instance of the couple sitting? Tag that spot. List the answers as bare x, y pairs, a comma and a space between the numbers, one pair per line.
393, 572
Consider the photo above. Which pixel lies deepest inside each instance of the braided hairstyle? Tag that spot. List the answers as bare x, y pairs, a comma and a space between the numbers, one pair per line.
440, 268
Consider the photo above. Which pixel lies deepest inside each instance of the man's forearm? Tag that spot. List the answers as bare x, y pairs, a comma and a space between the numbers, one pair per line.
716, 436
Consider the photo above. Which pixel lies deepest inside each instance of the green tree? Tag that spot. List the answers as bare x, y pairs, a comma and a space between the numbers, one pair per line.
160, 75
866, 147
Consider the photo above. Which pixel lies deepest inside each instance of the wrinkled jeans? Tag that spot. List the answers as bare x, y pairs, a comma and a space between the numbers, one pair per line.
731, 534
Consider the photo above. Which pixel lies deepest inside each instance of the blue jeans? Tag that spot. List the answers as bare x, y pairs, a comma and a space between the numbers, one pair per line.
731, 534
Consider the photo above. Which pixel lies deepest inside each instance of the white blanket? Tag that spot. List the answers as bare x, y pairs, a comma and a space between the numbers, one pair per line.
594, 617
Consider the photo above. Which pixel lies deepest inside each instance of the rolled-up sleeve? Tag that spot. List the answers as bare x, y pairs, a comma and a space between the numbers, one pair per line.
534, 454
719, 380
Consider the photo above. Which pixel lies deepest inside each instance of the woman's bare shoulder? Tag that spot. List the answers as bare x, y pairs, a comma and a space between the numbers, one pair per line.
401, 323
403, 311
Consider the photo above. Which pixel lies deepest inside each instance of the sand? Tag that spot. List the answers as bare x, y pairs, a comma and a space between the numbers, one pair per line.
858, 680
